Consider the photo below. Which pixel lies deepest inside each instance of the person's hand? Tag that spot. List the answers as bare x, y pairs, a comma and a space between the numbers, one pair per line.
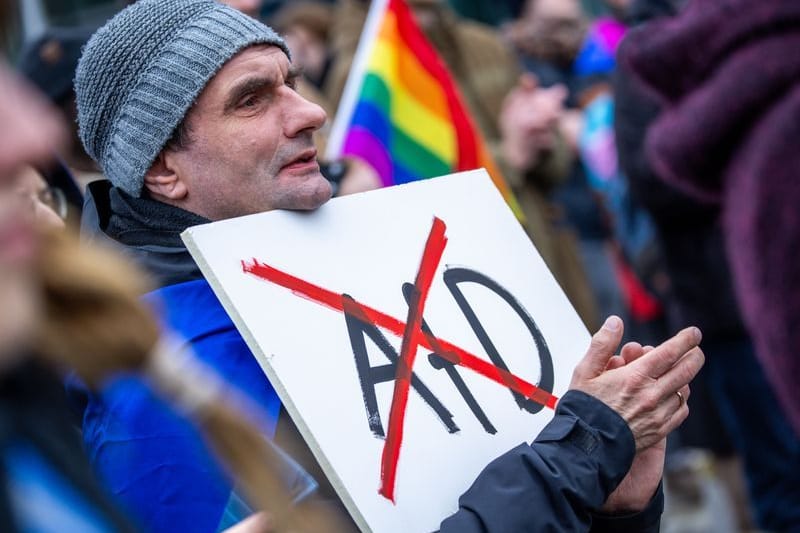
571, 125
528, 121
643, 392
637, 488
360, 177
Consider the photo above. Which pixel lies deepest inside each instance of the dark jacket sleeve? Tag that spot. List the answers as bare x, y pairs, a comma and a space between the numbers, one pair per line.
555, 483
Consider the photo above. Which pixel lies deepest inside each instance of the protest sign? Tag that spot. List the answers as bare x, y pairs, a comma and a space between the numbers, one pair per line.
413, 334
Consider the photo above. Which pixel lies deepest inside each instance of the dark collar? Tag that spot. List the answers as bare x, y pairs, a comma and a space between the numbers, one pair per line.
149, 231
143, 221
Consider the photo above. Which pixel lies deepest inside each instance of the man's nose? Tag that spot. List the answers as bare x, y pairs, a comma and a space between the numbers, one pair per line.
304, 116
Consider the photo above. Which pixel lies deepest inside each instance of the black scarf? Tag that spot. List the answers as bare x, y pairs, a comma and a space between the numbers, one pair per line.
149, 231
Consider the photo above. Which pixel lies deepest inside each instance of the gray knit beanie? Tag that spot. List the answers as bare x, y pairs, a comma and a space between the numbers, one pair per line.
141, 72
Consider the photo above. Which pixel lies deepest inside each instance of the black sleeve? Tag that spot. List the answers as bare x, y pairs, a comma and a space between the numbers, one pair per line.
555, 483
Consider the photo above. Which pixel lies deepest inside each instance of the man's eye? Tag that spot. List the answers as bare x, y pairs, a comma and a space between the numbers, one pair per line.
250, 101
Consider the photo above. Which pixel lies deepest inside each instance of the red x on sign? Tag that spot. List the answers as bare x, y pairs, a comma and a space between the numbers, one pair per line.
413, 336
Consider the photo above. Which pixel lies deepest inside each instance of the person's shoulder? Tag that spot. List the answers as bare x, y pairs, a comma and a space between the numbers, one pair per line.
191, 308
473, 35
487, 57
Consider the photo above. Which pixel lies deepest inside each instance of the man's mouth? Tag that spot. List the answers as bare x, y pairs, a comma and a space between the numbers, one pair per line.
305, 160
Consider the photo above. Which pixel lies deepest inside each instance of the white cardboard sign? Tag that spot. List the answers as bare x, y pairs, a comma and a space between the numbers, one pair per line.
491, 301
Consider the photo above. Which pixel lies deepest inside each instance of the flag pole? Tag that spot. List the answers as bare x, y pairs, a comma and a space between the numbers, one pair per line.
355, 78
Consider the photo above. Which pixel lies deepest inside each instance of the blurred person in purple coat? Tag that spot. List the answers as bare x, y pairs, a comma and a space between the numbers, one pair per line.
727, 80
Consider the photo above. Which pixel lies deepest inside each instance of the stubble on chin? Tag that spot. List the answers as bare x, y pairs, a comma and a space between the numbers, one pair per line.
315, 194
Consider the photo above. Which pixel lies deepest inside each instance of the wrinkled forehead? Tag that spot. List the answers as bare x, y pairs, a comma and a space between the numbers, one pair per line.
254, 56
260, 60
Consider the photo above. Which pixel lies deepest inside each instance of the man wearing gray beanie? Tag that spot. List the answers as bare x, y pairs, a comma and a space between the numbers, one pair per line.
141, 73
189, 108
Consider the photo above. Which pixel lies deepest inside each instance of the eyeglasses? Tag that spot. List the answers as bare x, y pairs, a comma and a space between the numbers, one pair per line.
55, 199
52, 197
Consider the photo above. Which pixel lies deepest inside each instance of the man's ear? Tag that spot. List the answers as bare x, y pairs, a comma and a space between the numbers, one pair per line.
163, 182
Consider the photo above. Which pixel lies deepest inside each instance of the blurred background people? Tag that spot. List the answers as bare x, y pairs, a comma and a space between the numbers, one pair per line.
726, 158
49, 63
547, 37
47, 484
675, 134
570, 146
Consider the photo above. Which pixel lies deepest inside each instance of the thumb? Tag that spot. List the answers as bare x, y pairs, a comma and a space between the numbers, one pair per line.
601, 349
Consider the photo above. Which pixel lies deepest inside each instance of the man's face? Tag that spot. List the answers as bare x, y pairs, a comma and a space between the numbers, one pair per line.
248, 7
553, 10
618, 6
251, 147
29, 130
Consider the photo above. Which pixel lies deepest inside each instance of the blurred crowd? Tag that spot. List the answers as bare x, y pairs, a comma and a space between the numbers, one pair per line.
651, 144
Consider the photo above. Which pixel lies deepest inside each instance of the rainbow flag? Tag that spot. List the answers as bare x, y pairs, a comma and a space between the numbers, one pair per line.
402, 113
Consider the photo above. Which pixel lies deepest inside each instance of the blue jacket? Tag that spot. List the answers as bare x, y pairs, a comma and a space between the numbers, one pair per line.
156, 464
154, 460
